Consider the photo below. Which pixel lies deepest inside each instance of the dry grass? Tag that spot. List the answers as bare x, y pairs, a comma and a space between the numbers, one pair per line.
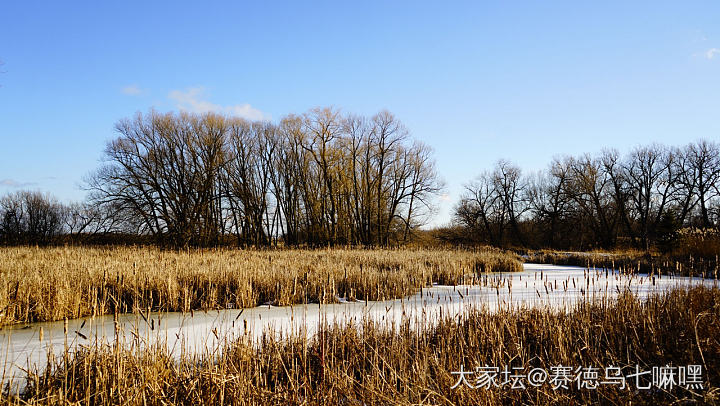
630, 261
43, 284
699, 243
377, 364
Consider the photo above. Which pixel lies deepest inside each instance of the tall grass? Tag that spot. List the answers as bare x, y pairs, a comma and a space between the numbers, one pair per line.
630, 261
44, 284
377, 364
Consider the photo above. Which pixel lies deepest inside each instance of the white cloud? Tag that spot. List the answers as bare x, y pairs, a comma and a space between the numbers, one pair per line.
445, 197
15, 183
700, 36
712, 52
194, 100
131, 90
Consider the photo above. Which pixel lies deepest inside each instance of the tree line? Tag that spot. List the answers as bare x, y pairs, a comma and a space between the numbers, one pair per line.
323, 178
184, 179
32, 217
639, 199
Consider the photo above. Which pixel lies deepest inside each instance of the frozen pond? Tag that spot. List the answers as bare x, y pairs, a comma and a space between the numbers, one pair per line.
27, 346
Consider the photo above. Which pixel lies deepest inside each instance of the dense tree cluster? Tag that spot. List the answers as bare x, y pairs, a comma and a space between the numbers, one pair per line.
324, 178
638, 199
32, 217
29, 217
317, 178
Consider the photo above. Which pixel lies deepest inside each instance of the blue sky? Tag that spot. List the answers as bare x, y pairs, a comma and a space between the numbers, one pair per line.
478, 81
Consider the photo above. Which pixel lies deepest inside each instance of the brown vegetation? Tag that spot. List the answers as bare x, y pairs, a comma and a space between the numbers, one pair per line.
42, 284
632, 261
373, 363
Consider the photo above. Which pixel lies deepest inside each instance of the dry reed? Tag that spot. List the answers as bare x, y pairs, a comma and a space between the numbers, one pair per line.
44, 284
629, 261
374, 364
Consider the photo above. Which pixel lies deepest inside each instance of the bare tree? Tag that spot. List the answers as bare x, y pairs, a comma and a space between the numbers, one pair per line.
478, 207
319, 178
650, 175
162, 172
550, 199
495, 201
30, 218
704, 162
589, 187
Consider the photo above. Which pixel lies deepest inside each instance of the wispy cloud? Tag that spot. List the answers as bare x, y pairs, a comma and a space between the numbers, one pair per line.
131, 90
14, 183
195, 100
700, 36
712, 53
445, 197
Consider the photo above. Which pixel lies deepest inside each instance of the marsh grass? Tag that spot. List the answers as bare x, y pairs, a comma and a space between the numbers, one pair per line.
372, 363
633, 262
46, 284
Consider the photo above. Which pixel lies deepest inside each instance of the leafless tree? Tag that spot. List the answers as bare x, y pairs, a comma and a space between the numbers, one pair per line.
704, 163
650, 175
319, 178
550, 199
30, 218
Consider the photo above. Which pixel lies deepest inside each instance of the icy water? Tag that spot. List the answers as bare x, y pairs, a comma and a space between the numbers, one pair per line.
202, 333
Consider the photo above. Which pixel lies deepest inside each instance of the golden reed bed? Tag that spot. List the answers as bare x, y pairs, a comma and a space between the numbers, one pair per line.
43, 284
372, 363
